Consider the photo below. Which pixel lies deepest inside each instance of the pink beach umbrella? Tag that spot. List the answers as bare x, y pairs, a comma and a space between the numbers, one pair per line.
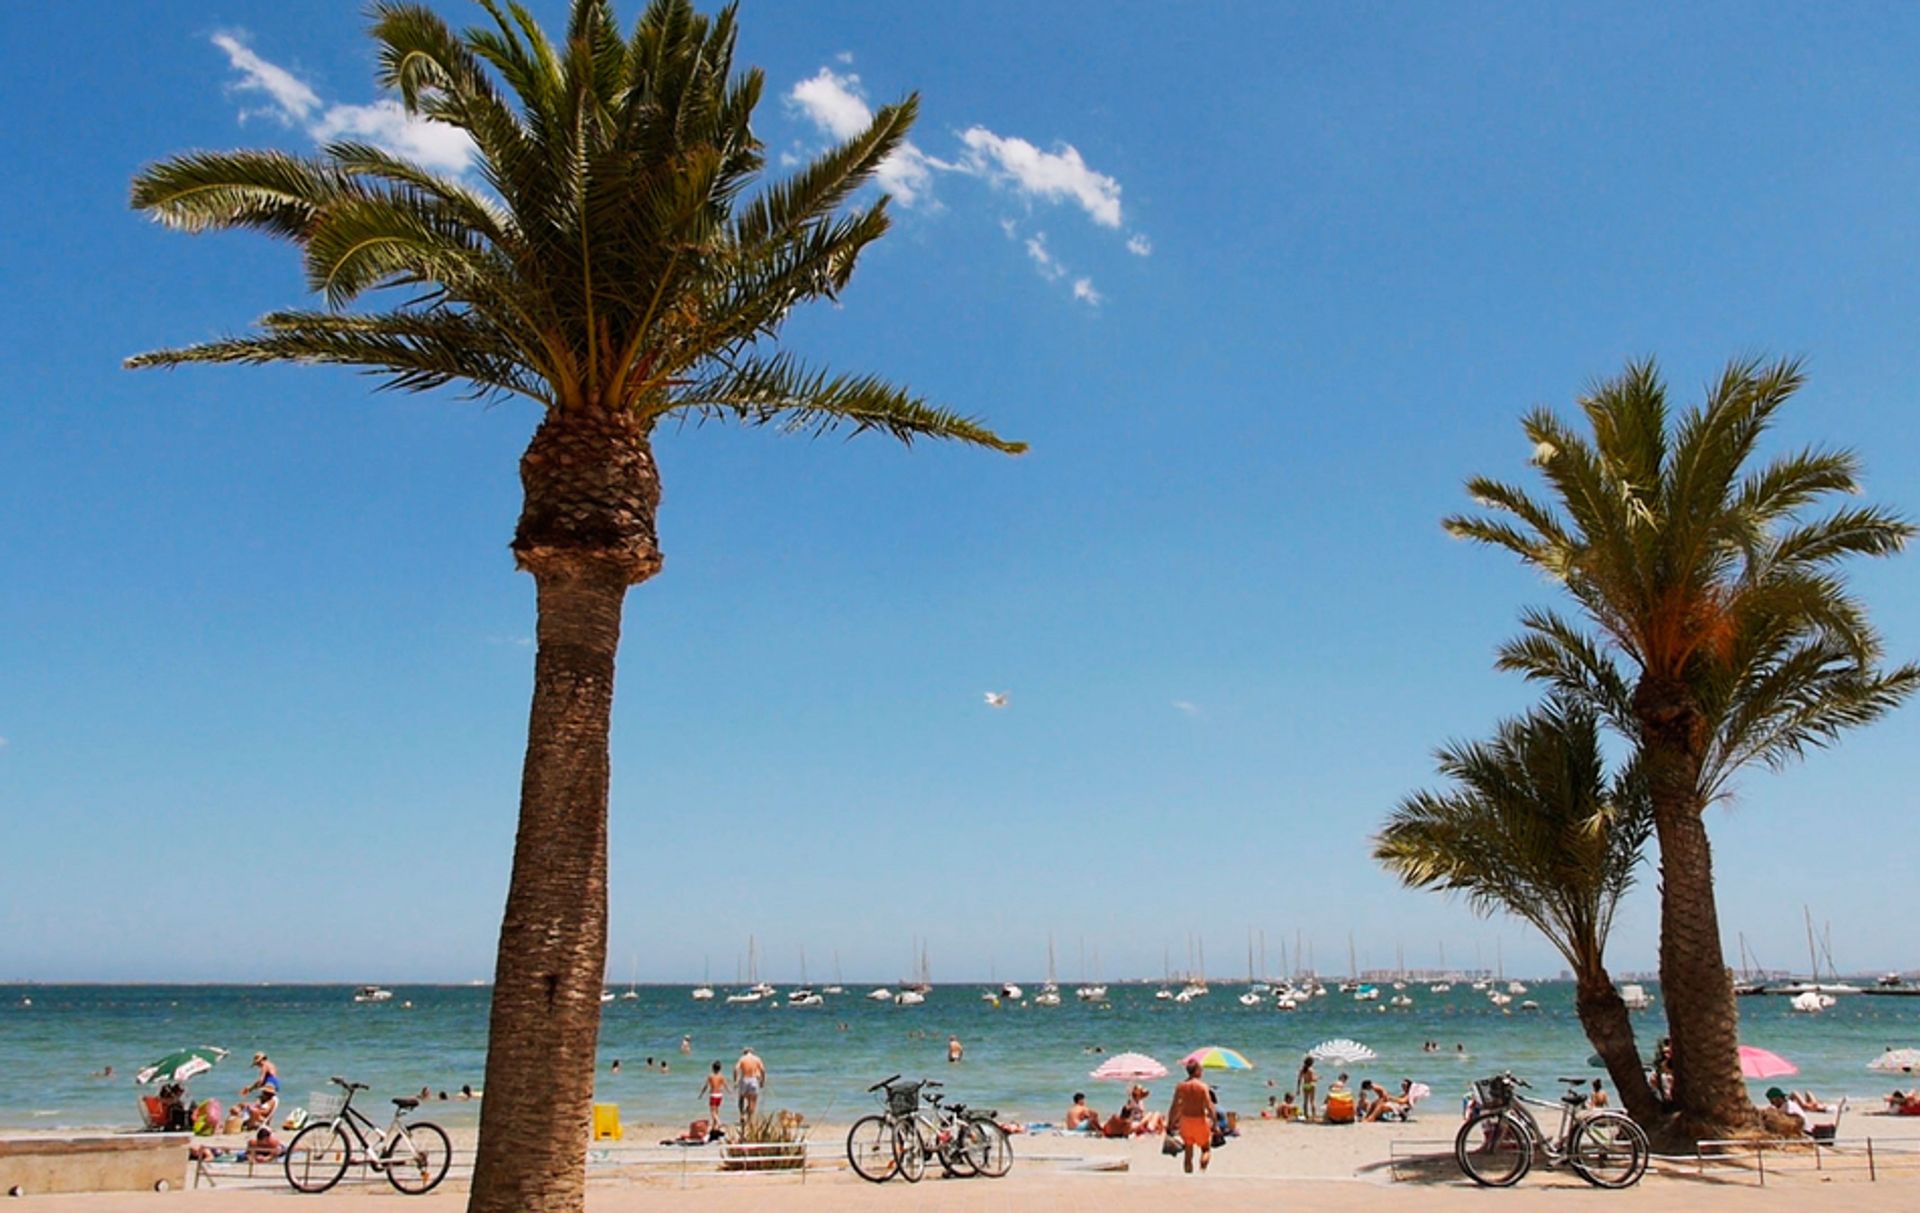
1760, 1063
1130, 1067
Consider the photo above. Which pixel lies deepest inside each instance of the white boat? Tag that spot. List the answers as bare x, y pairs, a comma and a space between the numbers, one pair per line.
1499, 999
1012, 992
1191, 991
1366, 993
1049, 996
1636, 997
1440, 987
372, 994
1516, 987
1812, 1002
1091, 993
702, 993
608, 996
1529, 1005
1400, 1000
745, 997
881, 995
909, 998
1250, 999
804, 997
1480, 985
1286, 1002
1163, 993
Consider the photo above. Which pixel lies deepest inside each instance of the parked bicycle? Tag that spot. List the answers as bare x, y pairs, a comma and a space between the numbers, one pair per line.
905, 1136
1497, 1145
414, 1157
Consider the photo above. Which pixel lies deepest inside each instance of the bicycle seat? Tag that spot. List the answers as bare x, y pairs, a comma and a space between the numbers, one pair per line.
406, 1103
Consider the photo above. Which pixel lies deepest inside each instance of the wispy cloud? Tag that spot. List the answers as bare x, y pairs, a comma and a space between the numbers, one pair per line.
1050, 269
1083, 291
1052, 176
1139, 245
293, 102
1186, 708
834, 102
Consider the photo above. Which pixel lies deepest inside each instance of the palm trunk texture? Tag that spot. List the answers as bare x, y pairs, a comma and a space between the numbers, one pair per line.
1609, 1027
586, 534
1703, 1015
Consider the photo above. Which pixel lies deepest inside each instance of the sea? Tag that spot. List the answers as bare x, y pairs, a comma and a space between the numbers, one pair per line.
1022, 1059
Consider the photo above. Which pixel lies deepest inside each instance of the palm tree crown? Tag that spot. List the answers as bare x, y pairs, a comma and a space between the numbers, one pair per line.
1708, 576
1532, 826
607, 260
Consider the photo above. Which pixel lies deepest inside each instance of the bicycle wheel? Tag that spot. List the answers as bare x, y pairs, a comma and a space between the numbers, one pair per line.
418, 1157
1609, 1152
951, 1146
989, 1148
871, 1149
911, 1150
1493, 1149
318, 1156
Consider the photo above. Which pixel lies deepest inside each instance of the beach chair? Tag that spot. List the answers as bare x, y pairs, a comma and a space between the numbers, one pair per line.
1828, 1130
606, 1122
153, 1113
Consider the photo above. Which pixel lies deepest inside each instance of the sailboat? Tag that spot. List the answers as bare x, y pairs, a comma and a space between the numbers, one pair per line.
704, 991
803, 995
1250, 998
1442, 986
836, 987
633, 979
913, 993
1166, 972
1750, 982
757, 990
1049, 995
1814, 985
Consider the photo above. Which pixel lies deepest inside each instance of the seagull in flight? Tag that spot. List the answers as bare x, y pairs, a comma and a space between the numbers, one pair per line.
996, 699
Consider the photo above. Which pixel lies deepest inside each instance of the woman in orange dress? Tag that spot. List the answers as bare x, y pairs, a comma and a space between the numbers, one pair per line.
1192, 1115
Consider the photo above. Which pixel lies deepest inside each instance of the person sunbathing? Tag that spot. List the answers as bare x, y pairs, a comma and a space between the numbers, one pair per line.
1080, 1116
1810, 1102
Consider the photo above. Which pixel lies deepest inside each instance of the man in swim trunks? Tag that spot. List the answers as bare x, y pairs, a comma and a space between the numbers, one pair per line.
1080, 1115
1191, 1114
716, 1089
750, 1076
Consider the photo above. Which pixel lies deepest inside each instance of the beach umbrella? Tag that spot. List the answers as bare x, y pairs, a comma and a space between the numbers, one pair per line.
1343, 1051
1130, 1067
1902, 1061
1213, 1057
1760, 1063
181, 1065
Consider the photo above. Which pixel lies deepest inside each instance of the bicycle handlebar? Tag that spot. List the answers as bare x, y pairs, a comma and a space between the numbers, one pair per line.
883, 1083
351, 1086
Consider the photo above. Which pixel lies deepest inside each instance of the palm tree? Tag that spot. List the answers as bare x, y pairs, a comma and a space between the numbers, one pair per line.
1534, 827
1722, 635
609, 263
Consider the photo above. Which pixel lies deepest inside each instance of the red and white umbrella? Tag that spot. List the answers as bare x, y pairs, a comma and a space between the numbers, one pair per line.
1760, 1063
1130, 1067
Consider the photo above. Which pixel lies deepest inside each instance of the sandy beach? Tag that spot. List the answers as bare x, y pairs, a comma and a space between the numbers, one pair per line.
1307, 1166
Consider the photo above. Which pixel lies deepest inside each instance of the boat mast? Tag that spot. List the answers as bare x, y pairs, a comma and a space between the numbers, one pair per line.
1813, 957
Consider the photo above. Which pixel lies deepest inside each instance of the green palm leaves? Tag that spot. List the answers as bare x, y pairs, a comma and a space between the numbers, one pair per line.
1714, 579
610, 254
1532, 825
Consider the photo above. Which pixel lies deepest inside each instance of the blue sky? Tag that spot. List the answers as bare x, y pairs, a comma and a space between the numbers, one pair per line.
1261, 286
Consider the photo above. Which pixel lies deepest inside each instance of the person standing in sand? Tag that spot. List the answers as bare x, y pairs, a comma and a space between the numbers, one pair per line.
750, 1077
715, 1087
1191, 1114
1309, 1083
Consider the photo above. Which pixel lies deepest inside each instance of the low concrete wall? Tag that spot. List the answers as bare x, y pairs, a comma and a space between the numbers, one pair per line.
141, 1162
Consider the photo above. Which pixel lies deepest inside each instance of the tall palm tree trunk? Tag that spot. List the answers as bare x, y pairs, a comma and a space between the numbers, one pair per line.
1703, 1014
586, 534
1609, 1028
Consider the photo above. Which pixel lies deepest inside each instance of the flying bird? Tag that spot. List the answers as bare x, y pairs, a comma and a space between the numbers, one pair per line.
996, 699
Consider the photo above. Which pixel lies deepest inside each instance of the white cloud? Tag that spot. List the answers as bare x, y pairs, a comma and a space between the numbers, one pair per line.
845, 56
1050, 175
1083, 290
1050, 267
1139, 245
384, 123
291, 96
834, 103
1009, 227
387, 124
1190, 709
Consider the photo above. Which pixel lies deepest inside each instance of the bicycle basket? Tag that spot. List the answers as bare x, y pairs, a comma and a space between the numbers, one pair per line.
324, 1105
903, 1101
1495, 1092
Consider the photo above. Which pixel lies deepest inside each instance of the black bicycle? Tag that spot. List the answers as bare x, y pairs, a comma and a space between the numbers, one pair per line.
1497, 1145
414, 1157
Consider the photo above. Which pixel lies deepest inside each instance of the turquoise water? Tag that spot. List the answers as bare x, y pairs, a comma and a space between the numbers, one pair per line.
1025, 1060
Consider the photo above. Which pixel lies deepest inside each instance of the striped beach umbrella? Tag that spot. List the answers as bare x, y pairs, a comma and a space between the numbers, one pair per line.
1343, 1051
1902, 1061
1213, 1057
1130, 1067
180, 1065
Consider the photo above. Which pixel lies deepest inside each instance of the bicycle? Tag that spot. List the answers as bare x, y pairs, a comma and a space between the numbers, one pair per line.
414, 1157
967, 1141
880, 1147
1497, 1145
